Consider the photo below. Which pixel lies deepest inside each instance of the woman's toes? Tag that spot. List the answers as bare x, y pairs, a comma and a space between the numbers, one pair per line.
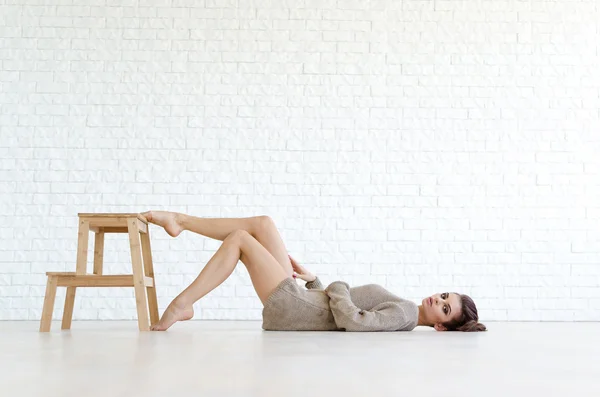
148, 215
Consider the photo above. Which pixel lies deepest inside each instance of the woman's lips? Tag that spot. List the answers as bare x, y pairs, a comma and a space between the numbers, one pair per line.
430, 301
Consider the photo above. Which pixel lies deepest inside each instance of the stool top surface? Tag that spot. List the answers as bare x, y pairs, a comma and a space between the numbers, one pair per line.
114, 215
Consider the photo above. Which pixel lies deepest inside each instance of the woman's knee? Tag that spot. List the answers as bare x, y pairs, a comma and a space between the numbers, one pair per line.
264, 222
239, 239
237, 236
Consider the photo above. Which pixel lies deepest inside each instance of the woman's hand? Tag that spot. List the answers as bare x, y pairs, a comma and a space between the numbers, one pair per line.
300, 272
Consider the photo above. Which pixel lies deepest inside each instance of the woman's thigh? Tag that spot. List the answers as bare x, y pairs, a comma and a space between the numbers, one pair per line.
265, 271
268, 236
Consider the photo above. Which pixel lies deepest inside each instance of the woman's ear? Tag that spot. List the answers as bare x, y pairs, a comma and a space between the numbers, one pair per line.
439, 327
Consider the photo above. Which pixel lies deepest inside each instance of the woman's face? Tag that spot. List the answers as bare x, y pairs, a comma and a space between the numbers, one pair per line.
441, 308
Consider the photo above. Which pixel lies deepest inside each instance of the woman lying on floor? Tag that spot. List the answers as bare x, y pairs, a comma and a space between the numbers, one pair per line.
287, 306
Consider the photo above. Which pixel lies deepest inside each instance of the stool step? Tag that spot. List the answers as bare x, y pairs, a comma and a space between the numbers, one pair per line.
113, 215
71, 279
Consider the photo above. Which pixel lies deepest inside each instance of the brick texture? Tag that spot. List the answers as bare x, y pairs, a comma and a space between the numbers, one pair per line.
423, 145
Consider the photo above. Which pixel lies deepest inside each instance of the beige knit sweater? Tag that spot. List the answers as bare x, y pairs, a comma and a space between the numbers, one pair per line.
337, 307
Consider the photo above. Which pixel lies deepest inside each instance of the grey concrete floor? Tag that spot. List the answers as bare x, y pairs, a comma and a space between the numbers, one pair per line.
210, 358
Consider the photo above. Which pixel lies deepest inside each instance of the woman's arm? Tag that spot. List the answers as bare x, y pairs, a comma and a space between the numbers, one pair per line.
387, 316
312, 281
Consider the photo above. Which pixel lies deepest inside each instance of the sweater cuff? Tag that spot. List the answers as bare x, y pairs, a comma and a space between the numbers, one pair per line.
315, 284
339, 287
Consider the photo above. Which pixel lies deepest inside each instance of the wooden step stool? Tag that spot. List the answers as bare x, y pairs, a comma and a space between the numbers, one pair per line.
142, 278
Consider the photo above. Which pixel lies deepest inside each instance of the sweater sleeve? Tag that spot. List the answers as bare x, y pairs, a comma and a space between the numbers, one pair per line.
315, 284
387, 316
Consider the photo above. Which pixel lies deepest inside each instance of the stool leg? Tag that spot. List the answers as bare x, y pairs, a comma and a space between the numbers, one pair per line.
82, 246
138, 275
46, 321
81, 268
69, 304
149, 270
99, 252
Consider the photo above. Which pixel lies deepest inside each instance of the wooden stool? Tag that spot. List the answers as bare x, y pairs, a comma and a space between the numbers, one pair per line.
142, 278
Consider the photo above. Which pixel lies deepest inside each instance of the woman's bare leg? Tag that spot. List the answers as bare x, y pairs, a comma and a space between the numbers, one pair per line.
265, 273
262, 228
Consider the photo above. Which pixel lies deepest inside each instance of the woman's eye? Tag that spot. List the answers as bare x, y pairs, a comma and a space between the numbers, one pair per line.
445, 309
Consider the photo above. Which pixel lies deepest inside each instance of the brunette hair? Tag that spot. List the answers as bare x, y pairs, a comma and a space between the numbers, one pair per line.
468, 320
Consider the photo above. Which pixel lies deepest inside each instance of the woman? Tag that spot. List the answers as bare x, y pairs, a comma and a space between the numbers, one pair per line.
257, 243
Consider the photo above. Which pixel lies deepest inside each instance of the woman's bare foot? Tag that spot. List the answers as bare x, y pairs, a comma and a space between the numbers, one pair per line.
176, 311
170, 221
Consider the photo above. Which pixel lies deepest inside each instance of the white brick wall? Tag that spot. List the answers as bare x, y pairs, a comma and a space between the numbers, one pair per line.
424, 145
